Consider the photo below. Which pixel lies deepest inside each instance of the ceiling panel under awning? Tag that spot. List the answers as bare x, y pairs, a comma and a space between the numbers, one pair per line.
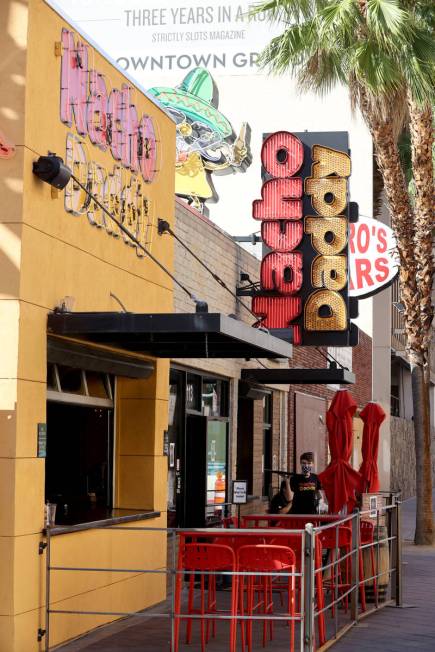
173, 335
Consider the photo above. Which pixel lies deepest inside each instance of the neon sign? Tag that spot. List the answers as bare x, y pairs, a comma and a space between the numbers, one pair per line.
305, 213
111, 121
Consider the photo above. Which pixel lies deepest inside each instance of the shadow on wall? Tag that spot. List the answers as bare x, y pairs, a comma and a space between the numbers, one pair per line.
403, 457
13, 18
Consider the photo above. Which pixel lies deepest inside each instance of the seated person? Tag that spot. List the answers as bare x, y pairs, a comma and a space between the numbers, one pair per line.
306, 488
282, 501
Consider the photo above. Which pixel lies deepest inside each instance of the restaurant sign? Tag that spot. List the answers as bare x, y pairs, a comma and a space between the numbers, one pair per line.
108, 118
373, 257
305, 214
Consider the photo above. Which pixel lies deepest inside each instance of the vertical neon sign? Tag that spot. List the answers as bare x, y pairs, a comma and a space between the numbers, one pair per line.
304, 214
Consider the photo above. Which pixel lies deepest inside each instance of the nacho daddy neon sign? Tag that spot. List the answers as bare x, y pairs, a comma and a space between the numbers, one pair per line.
305, 214
109, 117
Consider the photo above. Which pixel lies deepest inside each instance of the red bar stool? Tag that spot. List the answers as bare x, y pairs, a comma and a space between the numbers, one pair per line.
264, 559
197, 558
340, 580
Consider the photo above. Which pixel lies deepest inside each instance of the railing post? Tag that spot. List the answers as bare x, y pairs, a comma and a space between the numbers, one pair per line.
356, 542
174, 578
398, 560
308, 579
47, 589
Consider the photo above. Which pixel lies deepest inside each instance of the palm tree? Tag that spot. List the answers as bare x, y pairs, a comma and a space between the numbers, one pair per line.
384, 52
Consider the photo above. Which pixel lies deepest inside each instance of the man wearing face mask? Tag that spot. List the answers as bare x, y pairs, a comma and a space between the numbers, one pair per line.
306, 487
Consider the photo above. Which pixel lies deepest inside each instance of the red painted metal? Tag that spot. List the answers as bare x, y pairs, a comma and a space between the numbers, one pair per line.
279, 200
282, 154
282, 235
282, 272
278, 312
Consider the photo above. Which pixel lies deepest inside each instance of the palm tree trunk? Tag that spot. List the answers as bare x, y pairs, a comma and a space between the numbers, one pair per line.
415, 285
424, 534
421, 129
402, 216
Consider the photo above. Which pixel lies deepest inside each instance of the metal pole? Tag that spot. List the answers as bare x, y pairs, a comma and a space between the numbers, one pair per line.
377, 574
308, 580
394, 542
174, 584
47, 590
399, 584
336, 574
355, 565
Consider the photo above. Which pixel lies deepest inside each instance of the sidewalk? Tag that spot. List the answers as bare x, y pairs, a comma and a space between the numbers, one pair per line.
390, 630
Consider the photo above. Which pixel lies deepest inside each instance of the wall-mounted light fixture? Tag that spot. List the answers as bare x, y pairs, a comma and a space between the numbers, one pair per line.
52, 170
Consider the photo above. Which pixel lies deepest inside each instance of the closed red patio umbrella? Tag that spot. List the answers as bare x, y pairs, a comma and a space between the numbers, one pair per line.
339, 480
372, 415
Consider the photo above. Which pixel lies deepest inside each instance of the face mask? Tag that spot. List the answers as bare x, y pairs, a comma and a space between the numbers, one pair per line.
306, 468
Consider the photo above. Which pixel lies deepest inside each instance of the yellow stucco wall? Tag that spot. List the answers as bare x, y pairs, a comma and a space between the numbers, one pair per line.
46, 254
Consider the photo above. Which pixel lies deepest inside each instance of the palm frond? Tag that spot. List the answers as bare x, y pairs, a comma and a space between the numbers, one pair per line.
385, 17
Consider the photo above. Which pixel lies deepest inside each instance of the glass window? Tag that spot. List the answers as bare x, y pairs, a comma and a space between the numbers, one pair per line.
214, 397
267, 443
211, 397
216, 468
71, 380
97, 385
193, 392
51, 378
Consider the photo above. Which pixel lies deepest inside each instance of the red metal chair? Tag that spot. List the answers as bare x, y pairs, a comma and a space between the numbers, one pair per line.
197, 558
264, 559
230, 522
341, 576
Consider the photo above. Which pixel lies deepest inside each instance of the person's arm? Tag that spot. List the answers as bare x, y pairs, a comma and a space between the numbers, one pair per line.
288, 496
320, 494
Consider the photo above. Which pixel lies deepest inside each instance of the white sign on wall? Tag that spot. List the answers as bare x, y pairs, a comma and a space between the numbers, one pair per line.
373, 258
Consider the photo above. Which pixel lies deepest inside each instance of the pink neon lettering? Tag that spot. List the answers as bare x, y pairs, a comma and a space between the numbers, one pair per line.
147, 149
97, 105
73, 82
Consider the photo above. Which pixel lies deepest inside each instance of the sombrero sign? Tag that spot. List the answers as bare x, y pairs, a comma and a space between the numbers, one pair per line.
373, 258
206, 142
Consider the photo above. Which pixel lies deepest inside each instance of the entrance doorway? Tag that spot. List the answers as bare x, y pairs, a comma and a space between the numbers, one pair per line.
79, 468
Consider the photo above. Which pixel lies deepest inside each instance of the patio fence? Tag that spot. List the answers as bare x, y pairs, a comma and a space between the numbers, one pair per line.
331, 585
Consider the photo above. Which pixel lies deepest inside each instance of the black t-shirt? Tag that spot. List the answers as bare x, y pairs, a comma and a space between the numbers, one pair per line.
304, 493
277, 503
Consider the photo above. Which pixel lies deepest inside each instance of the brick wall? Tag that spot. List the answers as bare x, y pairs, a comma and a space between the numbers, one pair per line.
305, 356
219, 251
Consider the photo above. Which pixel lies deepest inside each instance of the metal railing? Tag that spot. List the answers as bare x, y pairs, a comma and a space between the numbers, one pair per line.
328, 594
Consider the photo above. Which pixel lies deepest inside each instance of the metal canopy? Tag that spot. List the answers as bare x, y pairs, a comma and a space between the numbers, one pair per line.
197, 335
299, 376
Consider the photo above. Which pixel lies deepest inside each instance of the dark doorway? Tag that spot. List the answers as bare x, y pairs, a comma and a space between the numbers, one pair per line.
78, 474
195, 494
245, 441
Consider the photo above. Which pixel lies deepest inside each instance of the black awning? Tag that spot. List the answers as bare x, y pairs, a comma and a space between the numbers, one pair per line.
299, 376
197, 335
